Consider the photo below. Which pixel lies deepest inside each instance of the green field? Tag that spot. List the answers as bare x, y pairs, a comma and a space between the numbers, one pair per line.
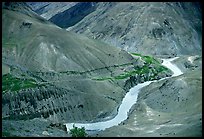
12, 83
147, 59
157, 68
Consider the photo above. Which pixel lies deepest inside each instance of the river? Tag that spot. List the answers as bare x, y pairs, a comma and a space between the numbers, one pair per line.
128, 101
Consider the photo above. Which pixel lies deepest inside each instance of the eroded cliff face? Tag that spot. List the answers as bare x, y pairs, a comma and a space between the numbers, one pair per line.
55, 104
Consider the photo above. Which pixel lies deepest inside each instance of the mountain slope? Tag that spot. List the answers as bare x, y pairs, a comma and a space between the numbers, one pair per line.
45, 45
49, 9
50, 59
74, 14
153, 28
62, 76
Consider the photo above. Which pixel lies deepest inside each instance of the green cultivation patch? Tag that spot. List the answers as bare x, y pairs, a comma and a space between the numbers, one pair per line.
12, 83
147, 59
102, 78
126, 74
156, 68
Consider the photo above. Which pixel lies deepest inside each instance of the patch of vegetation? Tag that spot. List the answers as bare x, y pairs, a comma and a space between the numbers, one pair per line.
136, 54
70, 72
147, 59
13, 129
23, 75
9, 43
155, 64
27, 130
126, 74
160, 68
6, 134
78, 132
88, 71
102, 78
12, 83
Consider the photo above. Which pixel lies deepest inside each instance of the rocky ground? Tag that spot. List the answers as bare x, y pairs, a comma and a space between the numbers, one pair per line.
32, 128
51, 77
150, 28
171, 107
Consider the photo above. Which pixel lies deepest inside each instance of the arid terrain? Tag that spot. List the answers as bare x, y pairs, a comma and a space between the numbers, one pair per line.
74, 62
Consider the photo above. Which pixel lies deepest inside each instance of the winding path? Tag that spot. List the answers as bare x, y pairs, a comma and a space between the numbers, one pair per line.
128, 101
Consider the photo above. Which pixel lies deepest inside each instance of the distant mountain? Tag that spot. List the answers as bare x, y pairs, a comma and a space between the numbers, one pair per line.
23, 8
152, 28
50, 9
74, 14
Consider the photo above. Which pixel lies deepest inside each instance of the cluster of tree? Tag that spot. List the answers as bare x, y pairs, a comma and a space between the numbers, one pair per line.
78, 132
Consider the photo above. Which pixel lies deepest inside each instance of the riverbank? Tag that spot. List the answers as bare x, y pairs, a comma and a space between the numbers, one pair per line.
128, 101
143, 118
168, 108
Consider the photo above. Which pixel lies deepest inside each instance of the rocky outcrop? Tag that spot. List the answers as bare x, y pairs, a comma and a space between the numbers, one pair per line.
190, 62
